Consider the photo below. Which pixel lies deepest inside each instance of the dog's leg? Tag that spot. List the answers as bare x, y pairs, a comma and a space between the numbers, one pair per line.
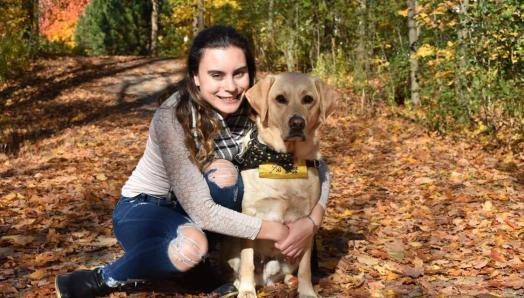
305, 286
246, 273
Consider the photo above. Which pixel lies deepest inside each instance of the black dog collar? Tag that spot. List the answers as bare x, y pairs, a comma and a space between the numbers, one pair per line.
258, 153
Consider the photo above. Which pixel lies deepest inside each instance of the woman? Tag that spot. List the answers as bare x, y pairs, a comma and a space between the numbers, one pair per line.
186, 183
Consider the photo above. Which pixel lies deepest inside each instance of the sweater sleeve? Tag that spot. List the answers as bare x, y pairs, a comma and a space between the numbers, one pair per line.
325, 182
189, 185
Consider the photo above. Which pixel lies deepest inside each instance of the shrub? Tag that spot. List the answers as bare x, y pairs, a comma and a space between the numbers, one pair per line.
109, 27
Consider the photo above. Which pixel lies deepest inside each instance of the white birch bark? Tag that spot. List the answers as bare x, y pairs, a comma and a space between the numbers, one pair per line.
413, 62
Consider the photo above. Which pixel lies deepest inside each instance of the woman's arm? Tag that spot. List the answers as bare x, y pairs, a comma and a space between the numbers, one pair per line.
192, 191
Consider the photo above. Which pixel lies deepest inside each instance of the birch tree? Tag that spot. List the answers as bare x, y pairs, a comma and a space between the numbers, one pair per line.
413, 62
198, 17
154, 25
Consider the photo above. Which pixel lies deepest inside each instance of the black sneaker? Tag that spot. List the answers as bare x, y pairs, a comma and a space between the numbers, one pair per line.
225, 291
81, 284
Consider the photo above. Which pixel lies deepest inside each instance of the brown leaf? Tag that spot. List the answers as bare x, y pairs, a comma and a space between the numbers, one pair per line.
415, 271
480, 263
103, 241
44, 258
365, 259
19, 240
496, 255
23, 223
514, 282
395, 249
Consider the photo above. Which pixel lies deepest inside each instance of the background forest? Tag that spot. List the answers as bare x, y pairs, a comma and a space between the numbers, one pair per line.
459, 61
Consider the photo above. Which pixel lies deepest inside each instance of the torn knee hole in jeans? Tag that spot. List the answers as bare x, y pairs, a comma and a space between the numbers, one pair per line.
224, 176
184, 251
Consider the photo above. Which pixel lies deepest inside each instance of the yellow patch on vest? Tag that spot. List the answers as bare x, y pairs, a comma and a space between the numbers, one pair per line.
274, 171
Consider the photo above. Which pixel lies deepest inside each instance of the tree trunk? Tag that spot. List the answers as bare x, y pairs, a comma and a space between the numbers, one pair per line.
362, 58
270, 20
154, 26
462, 33
198, 17
413, 62
290, 50
271, 36
32, 29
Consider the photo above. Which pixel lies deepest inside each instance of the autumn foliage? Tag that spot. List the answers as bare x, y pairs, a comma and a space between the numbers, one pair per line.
58, 19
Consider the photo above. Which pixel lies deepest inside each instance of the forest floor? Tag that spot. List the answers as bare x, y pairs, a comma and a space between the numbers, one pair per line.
411, 214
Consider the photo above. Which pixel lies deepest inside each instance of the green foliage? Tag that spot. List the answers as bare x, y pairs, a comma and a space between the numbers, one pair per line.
114, 27
473, 69
15, 55
17, 40
470, 59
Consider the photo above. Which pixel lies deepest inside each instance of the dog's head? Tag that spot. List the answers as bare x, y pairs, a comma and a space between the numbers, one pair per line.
292, 103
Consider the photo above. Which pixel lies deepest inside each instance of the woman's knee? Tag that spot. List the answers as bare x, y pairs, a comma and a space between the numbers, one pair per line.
221, 172
188, 248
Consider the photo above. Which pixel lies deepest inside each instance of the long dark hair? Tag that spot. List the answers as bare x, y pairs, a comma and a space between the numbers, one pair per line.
207, 124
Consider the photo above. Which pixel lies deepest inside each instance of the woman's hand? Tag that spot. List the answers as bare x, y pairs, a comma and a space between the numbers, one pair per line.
300, 236
272, 230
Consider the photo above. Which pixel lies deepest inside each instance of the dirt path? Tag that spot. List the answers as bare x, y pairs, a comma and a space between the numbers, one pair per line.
410, 214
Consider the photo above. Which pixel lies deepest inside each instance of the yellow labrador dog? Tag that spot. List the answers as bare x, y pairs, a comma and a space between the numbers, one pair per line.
290, 109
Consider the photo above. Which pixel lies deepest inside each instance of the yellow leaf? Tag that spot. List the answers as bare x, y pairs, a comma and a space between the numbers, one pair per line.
423, 180
44, 258
425, 50
38, 274
403, 13
344, 214
101, 177
8, 198
487, 206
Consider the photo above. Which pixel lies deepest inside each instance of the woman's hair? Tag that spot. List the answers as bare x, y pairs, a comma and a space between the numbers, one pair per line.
207, 124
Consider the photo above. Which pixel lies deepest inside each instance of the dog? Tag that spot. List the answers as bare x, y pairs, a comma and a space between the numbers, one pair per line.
290, 107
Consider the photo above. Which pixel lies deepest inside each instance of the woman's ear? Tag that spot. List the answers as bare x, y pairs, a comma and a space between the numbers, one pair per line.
196, 80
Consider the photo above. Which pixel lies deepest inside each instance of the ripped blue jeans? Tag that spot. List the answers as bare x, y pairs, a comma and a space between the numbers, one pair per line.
144, 226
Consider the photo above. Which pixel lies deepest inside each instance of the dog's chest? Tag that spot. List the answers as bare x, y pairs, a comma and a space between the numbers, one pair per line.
283, 200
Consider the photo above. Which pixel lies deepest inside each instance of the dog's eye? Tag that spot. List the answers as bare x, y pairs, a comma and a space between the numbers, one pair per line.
281, 99
307, 99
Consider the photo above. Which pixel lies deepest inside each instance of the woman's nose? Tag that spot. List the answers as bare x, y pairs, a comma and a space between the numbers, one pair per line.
230, 84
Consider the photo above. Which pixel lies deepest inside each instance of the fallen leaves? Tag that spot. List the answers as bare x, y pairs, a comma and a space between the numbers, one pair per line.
439, 217
18, 240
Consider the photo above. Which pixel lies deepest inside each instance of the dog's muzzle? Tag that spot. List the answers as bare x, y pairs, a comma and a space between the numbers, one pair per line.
296, 128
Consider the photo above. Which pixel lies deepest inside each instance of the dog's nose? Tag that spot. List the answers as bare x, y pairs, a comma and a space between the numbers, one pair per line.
297, 123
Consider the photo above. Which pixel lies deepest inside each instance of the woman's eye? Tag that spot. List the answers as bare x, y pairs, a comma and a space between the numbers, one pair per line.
240, 74
281, 99
307, 99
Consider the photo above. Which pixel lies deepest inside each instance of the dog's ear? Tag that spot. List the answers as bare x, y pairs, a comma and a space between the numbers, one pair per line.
328, 97
258, 96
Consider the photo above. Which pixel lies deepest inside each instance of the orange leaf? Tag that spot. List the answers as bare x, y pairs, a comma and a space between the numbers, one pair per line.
38, 274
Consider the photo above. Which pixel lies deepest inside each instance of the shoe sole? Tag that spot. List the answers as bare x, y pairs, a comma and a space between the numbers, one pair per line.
58, 295
228, 295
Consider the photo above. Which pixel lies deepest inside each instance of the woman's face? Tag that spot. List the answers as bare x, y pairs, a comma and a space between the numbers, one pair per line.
222, 78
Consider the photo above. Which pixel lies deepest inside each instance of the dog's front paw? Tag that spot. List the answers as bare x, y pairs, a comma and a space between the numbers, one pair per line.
313, 295
247, 293
307, 293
